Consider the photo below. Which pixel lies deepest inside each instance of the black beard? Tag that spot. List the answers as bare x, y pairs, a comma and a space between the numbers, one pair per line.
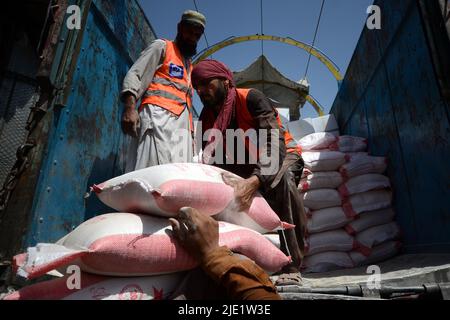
186, 49
218, 101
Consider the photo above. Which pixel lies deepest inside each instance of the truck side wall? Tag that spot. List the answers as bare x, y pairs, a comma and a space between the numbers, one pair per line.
86, 142
391, 96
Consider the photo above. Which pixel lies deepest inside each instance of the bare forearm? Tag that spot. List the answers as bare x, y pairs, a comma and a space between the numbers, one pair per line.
130, 117
129, 101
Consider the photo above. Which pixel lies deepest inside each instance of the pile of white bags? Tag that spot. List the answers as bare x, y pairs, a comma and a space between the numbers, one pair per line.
94, 287
350, 218
163, 190
317, 141
134, 243
127, 244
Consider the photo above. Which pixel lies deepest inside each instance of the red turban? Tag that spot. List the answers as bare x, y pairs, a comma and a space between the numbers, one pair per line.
208, 70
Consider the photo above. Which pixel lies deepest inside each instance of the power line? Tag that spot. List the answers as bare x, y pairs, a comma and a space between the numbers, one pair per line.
262, 26
314, 40
204, 33
262, 44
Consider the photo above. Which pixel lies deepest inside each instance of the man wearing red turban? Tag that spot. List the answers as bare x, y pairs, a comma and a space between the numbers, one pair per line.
250, 111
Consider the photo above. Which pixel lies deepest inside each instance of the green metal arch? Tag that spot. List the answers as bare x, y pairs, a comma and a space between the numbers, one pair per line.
233, 40
316, 105
314, 51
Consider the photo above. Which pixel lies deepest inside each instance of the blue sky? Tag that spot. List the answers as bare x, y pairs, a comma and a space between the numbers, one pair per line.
339, 31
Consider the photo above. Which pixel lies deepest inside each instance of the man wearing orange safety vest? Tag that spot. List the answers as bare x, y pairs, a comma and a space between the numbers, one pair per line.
237, 113
162, 126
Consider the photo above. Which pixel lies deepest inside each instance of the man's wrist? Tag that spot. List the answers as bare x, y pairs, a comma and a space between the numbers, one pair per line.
255, 181
206, 255
130, 108
129, 101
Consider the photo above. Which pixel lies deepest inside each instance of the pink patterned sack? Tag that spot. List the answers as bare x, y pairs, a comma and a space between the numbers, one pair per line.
349, 144
93, 287
125, 244
163, 190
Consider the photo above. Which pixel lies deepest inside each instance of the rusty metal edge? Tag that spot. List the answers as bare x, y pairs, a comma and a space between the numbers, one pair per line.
18, 215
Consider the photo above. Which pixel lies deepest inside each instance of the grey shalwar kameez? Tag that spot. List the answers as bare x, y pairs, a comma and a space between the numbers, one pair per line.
163, 137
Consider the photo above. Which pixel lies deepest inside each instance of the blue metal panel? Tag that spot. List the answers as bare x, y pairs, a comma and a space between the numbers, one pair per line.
87, 140
393, 15
128, 23
391, 95
343, 101
357, 124
384, 141
367, 57
424, 131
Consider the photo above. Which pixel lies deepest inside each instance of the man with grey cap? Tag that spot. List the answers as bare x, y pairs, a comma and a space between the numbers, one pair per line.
162, 127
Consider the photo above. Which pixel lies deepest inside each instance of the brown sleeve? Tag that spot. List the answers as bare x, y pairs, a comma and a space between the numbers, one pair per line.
242, 278
265, 117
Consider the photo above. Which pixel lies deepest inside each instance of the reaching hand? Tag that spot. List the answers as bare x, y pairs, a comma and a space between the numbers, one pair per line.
130, 122
130, 117
244, 189
196, 232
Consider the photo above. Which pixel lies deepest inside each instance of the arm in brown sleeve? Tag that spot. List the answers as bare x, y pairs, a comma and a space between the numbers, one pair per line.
265, 117
242, 278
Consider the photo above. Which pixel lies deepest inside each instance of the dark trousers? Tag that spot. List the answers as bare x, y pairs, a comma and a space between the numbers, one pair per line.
285, 199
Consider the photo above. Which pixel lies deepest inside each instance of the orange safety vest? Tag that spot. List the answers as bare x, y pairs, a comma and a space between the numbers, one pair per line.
171, 87
245, 121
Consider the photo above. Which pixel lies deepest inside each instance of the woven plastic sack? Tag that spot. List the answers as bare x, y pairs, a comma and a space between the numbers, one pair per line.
378, 253
125, 244
320, 180
274, 238
349, 144
327, 219
327, 261
317, 141
367, 201
163, 190
93, 287
321, 198
351, 155
335, 240
323, 160
376, 235
370, 219
360, 165
366, 182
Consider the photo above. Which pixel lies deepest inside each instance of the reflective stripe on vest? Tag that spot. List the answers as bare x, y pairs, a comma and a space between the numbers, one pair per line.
177, 86
171, 87
163, 94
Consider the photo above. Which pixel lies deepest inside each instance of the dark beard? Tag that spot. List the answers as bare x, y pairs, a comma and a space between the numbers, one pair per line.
187, 50
216, 104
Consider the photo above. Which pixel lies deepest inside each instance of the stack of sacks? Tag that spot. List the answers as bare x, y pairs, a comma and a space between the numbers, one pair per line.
94, 287
350, 219
134, 242
367, 195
